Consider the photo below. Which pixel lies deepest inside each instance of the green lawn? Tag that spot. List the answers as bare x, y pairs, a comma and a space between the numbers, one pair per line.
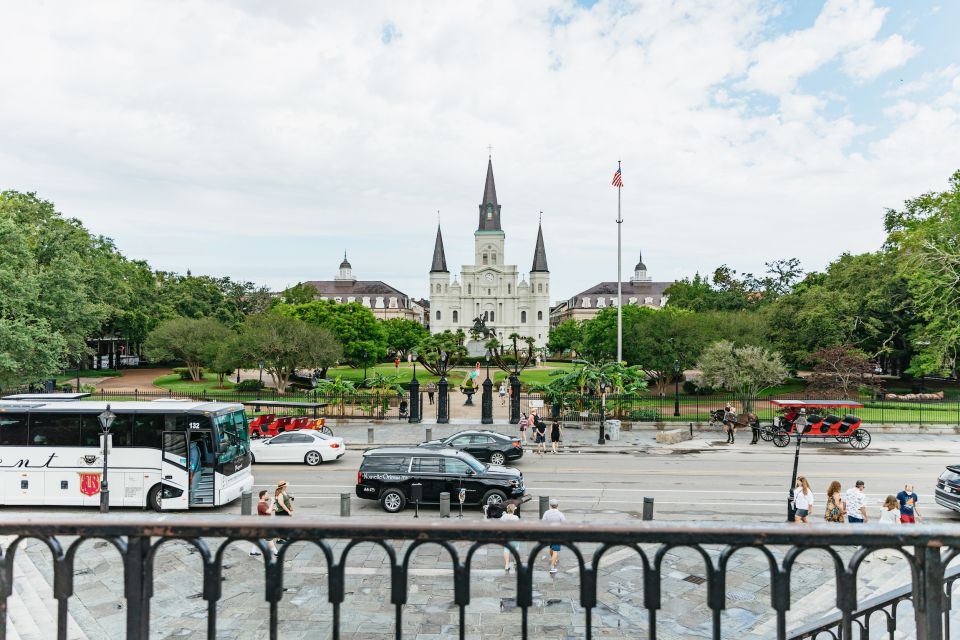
173, 382
405, 373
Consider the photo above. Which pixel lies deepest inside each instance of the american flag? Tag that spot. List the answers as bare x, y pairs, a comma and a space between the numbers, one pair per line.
617, 178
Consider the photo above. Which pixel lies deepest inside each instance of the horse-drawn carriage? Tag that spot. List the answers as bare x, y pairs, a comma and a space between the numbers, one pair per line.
846, 429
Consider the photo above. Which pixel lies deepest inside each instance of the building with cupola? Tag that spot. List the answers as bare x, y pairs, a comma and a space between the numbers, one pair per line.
507, 300
640, 290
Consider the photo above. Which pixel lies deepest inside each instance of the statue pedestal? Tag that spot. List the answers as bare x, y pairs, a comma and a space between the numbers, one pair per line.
469, 394
476, 349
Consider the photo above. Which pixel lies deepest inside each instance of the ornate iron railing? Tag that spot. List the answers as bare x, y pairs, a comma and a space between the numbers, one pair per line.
928, 550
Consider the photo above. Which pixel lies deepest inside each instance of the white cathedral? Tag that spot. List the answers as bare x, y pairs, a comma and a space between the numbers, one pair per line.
489, 288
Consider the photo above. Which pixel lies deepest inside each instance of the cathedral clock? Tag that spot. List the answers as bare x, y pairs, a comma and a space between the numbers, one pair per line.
488, 276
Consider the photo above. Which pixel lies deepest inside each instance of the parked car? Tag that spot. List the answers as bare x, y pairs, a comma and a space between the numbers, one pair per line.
388, 474
308, 447
488, 446
948, 488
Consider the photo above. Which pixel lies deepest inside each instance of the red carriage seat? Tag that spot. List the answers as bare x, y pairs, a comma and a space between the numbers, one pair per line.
279, 425
830, 425
850, 423
813, 424
298, 423
259, 424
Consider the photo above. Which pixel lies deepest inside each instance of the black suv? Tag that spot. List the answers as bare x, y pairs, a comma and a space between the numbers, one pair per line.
490, 446
387, 474
948, 488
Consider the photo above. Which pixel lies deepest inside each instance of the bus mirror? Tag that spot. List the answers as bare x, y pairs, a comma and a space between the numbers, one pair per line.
224, 447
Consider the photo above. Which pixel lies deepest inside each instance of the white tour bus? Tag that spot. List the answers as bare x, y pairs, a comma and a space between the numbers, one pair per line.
165, 454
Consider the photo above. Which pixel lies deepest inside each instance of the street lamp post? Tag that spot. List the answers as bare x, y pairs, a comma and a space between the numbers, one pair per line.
364, 383
799, 426
443, 399
106, 421
414, 392
676, 388
603, 412
486, 404
260, 364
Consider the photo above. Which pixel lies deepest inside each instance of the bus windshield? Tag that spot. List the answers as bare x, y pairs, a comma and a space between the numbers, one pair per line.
232, 431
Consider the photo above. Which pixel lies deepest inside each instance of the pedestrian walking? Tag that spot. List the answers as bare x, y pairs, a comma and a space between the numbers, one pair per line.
856, 502
556, 434
540, 432
431, 389
889, 515
283, 501
264, 508
510, 515
802, 500
553, 514
503, 393
835, 507
909, 514
523, 427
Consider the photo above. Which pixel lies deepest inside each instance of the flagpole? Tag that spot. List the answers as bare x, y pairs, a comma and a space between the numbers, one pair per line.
619, 285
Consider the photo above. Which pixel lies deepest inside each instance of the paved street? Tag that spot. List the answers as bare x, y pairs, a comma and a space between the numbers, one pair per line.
703, 479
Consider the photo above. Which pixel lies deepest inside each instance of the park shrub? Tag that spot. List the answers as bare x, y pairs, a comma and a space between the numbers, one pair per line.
184, 372
248, 385
644, 415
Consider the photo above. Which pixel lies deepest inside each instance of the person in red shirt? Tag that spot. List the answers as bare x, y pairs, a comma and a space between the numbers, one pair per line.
264, 508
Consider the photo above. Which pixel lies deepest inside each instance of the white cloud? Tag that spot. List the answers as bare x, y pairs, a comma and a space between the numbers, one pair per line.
928, 80
873, 58
259, 141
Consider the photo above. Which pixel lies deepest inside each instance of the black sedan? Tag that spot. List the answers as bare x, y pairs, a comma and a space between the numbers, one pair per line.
488, 446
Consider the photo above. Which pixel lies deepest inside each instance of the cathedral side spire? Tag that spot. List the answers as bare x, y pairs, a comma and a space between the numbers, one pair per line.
489, 208
539, 254
439, 258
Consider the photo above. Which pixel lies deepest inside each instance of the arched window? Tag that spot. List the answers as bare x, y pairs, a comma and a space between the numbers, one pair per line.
484, 258
455, 316
539, 315
523, 317
508, 289
540, 288
438, 314
469, 289
493, 258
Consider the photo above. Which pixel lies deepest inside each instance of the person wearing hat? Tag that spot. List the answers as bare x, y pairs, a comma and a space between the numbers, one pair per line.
553, 514
283, 502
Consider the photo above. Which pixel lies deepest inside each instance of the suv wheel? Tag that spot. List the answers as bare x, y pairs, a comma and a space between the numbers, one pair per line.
494, 496
497, 458
393, 500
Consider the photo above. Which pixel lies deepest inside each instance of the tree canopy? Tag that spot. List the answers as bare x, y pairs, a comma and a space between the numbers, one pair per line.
362, 337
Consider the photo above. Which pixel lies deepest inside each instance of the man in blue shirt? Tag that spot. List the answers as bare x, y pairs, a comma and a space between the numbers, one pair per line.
909, 514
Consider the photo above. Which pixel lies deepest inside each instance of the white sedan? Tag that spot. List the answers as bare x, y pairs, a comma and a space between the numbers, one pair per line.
306, 446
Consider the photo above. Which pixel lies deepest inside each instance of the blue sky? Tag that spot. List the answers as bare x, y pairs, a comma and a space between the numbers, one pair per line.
261, 141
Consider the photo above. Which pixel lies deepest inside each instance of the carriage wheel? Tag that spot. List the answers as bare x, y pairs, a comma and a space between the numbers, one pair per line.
860, 439
766, 434
843, 439
781, 438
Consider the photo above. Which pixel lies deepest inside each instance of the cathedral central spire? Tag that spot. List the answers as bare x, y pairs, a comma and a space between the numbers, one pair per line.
489, 209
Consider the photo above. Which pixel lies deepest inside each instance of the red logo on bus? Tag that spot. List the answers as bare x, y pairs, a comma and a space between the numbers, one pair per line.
89, 484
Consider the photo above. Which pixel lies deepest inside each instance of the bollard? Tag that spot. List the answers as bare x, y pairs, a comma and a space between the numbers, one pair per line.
544, 505
691, 431
246, 503
429, 434
369, 435
648, 508
445, 504
344, 505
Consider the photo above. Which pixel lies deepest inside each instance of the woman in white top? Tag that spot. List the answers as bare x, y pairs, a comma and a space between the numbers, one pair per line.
510, 514
891, 511
802, 500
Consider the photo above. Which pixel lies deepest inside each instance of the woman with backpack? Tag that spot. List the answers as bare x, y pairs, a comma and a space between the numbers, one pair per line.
836, 510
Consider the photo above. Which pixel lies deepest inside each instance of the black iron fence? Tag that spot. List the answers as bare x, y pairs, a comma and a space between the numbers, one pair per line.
697, 408
928, 551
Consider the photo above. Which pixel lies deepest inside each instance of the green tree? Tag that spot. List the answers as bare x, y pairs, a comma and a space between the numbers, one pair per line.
284, 344
29, 351
925, 232
194, 341
441, 352
565, 337
300, 293
746, 371
361, 335
403, 335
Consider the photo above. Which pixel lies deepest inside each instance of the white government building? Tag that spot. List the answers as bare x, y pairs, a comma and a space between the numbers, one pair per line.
489, 288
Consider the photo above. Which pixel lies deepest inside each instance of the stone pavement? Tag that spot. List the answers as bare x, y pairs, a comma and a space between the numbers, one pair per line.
178, 610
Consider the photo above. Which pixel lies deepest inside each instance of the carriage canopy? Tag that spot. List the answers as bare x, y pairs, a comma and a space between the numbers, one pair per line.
818, 404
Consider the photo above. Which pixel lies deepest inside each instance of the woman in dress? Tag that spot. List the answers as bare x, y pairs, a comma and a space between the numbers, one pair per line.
282, 501
556, 433
836, 511
523, 427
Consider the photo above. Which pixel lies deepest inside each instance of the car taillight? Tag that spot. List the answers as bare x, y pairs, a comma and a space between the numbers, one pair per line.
359, 478
334, 445
516, 444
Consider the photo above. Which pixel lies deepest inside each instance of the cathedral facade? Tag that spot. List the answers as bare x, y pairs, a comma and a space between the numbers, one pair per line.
490, 289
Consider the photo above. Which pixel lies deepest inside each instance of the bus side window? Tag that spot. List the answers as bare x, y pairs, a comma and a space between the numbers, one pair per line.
148, 430
13, 429
55, 429
119, 430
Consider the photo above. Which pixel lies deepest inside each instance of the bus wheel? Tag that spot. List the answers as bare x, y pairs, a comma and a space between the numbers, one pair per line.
153, 498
